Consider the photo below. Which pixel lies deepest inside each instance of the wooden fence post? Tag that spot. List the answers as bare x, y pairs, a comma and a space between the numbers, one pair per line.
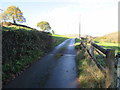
118, 74
110, 55
92, 50
94, 59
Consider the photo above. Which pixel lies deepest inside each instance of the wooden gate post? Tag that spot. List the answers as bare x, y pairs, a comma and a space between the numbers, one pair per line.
110, 55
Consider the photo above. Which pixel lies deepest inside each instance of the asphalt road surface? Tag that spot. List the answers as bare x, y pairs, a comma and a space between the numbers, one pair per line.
56, 70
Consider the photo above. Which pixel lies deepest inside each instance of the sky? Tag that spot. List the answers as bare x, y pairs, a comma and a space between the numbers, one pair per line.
96, 17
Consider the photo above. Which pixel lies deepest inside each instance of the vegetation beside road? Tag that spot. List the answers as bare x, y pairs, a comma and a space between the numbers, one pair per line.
88, 73
89, 76
22, 46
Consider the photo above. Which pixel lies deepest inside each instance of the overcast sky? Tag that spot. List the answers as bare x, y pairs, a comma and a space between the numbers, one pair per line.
97, 17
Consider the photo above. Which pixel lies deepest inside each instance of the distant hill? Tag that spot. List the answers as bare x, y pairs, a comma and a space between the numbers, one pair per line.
72, 35
77, 35
110, 38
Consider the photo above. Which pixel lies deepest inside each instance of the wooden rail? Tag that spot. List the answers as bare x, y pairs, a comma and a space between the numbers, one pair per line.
91, 55
109, 60
99, 48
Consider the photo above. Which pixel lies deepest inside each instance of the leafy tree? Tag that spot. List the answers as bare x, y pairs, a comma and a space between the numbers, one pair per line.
44, 25
14, 13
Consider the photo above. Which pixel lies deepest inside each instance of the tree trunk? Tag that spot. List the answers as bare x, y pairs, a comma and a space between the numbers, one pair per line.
14, 21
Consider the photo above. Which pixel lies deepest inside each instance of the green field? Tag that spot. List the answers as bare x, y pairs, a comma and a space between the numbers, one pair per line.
109, 38
109, 46
109, 41
57, 39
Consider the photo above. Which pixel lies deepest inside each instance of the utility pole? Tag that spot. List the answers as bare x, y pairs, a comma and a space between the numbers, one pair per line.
79, 26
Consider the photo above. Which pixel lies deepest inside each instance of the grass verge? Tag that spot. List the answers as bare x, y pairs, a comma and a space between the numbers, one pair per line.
88, 73
77, 43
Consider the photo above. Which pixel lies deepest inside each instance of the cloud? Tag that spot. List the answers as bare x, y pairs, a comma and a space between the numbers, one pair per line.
100, 22
94, 21
63, 20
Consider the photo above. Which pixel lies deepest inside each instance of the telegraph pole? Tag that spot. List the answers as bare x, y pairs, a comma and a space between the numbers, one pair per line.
79, 26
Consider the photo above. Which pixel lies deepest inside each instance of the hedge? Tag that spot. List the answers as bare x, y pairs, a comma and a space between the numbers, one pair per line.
17, 43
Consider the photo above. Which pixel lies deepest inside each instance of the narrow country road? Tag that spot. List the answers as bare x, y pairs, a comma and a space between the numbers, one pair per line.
56, 70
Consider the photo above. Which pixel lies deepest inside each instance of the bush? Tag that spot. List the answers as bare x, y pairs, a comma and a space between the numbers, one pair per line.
17, 43
20, 48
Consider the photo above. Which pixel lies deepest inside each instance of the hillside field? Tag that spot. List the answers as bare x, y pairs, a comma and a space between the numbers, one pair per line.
109, 38
109, 41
